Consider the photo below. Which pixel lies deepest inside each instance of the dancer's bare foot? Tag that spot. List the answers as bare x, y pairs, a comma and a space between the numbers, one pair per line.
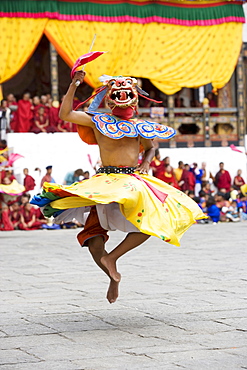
110, 264
112, 293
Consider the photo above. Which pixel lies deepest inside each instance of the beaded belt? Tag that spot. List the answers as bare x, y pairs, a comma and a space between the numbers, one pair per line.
112, 169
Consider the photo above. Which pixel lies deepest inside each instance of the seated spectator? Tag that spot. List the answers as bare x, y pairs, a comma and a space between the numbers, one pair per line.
232, 213
222, 204
212, 210
207, 188
29, 181
40, 121
85, 175
238, 181
28, 218
6, 174
23, 199
233, 192
191, 194
74, 176
65, 126
242, 206
203, 199
15, 215
5, 223
40, 217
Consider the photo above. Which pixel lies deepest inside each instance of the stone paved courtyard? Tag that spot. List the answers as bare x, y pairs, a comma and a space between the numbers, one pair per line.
179, 308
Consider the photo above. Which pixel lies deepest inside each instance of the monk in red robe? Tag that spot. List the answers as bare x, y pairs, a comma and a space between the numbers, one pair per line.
24, 114
29, 219
157, 165
223, 179
29, 181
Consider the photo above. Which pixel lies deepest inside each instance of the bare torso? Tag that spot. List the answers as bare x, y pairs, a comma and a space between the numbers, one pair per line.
120, 152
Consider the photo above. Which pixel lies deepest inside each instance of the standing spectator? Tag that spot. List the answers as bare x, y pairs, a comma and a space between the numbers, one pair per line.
157, 165
238, 181
74, 176
47, 177
13, 106
29, 181
24, 114
206, 174
169, 177
198, 178
44, 103
211, 100
4, 119
53, 116
223, 179
179, 171
187, 181
36, 104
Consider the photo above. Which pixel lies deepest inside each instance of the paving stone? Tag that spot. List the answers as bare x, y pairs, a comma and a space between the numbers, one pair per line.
178, 307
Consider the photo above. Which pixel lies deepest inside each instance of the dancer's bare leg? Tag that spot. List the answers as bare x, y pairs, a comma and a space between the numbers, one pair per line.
131, 241
97, 249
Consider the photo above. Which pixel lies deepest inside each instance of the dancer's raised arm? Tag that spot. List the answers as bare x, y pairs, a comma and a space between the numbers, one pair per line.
66, 112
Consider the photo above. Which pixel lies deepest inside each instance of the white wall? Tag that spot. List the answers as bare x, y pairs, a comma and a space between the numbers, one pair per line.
64, 151
67, 152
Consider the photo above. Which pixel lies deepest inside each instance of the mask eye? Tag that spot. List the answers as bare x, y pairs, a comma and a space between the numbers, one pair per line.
112, 82
129, 82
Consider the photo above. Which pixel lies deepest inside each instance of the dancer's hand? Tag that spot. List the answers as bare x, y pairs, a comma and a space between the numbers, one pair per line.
78, 76
143, 167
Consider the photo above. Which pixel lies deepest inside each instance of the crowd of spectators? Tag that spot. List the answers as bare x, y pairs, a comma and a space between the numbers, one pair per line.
36, 114
220, 197
40, 113
16, 212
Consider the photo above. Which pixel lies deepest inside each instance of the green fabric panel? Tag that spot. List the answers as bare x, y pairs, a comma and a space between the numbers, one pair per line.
49, 195
116, 10
48, 211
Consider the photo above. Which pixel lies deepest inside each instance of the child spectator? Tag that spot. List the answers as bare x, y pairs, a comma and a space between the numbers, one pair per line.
232, 214
212, 210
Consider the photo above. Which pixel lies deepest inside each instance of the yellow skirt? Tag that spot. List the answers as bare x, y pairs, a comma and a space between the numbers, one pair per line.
152, 206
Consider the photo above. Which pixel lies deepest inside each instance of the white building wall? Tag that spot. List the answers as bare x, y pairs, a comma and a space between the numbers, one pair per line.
67, 152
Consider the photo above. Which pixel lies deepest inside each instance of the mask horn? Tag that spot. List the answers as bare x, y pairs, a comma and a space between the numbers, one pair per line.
140, 91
